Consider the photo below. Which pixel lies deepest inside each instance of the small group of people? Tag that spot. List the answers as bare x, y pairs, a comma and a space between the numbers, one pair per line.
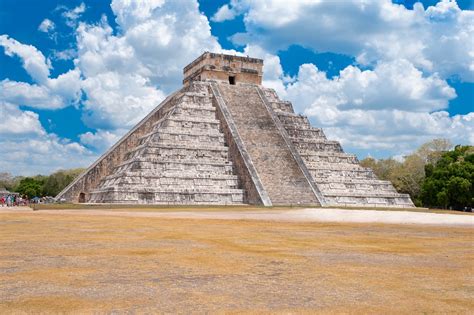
12, 200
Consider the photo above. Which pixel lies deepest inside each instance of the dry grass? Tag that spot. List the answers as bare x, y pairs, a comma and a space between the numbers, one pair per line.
207, 208
83, 264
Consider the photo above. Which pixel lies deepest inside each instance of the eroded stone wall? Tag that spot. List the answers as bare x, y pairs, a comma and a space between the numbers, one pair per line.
105, 165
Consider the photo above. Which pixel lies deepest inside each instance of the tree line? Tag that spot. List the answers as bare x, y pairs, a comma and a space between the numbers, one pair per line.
39, 185
435, 175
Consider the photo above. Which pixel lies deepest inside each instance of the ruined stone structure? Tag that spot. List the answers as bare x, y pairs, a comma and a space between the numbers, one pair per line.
225, 139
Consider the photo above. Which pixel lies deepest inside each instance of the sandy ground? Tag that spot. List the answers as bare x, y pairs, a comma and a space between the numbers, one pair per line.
297, 215
136, 262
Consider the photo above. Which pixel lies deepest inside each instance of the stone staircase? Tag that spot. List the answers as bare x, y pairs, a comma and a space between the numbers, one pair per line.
277, 169
183, 160
338, 175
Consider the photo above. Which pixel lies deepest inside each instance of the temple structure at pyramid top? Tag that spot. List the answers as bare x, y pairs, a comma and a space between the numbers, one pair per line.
227, 68
225, 139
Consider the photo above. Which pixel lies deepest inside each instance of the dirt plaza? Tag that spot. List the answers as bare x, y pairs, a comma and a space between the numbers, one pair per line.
84, 262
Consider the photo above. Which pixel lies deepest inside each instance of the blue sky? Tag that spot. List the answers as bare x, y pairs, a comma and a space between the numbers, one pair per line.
382, 78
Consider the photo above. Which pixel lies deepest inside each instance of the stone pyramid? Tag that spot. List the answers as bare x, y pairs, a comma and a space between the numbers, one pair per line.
225, 139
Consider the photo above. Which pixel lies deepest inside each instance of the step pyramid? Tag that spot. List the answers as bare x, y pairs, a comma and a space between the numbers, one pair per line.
225, 139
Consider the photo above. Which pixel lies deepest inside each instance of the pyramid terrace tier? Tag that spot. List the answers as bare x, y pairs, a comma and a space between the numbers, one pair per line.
314, 158
180, 151
292, 120
396, 200
190, 122
175, 196
170, 179
334, 173
189, 110
352, 185
156, 163
176, 165
271, 95
282, 107
317, 145
297, 133
340, 166
184, 135
197, 132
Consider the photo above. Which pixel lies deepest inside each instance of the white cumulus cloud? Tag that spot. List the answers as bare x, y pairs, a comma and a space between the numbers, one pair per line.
34, 62
393, 85
435, 39
72, 16
46, 26
392, 108
102, 139
29, 150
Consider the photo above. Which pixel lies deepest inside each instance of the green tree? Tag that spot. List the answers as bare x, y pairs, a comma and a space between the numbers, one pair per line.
408, 176
59, 180
449, 182
31, 186
41, 186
